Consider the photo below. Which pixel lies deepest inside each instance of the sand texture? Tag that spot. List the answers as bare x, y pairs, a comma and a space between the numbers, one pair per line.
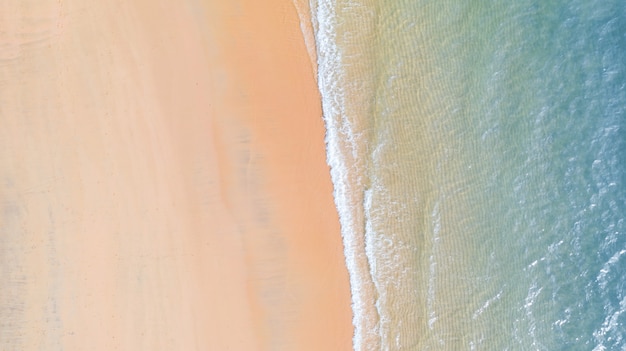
163, 183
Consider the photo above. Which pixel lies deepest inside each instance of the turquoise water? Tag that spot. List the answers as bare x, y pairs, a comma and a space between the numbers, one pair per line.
478, 153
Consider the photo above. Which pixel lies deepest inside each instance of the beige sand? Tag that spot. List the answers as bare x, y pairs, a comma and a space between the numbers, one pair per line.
162, 180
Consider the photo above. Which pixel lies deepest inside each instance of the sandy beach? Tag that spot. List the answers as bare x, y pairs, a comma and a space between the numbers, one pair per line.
163, 180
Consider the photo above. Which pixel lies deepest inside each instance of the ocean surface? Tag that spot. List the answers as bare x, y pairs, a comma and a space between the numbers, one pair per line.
478, 154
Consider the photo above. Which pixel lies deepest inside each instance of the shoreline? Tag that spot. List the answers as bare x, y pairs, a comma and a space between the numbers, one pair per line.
296, 177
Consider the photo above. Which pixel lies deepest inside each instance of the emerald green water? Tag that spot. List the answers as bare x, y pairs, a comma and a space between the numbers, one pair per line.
478, 154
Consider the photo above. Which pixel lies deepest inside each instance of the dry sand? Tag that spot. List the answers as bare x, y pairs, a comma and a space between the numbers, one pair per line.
163, 183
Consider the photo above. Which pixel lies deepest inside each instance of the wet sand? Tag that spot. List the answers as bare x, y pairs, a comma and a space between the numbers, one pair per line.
163, 183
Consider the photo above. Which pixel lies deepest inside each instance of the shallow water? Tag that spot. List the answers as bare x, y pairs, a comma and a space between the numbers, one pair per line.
478, 155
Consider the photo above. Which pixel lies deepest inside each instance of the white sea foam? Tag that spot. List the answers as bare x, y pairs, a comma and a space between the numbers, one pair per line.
346, 143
